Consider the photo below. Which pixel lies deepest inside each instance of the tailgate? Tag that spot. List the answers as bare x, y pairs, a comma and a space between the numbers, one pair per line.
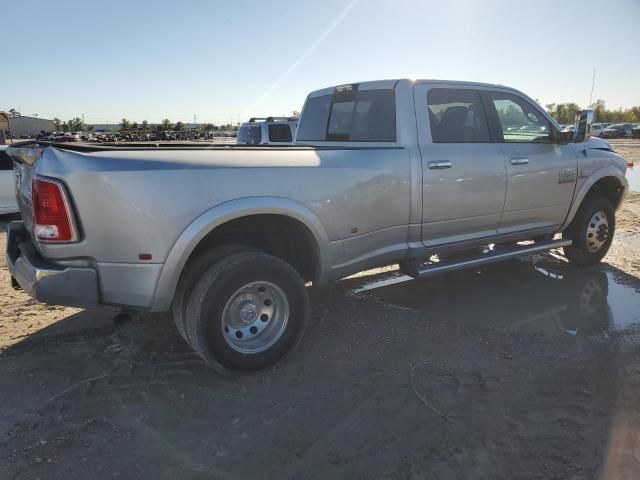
25, 159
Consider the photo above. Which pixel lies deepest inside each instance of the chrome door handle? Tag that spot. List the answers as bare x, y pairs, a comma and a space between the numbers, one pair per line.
519, 161
439, 164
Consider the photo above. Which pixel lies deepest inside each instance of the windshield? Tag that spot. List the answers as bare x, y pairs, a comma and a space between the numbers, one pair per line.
250, 134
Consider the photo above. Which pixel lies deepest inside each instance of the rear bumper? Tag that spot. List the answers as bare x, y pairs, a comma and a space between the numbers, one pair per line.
44, 281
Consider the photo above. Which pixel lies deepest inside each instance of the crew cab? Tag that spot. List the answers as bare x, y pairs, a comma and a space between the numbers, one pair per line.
433, 175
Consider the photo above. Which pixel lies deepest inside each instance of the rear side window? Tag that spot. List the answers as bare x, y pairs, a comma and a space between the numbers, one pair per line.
457, 116
362, 116
251, 134
279, 133
5, 161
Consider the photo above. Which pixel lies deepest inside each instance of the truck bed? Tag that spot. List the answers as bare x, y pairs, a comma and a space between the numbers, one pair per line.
120, 146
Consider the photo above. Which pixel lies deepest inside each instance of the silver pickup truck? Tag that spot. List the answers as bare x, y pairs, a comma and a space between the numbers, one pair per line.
433, 175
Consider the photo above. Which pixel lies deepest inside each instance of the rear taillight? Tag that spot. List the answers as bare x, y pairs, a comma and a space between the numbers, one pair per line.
51, 213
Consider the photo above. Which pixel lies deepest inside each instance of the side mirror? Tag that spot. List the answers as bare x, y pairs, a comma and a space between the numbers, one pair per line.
584, 119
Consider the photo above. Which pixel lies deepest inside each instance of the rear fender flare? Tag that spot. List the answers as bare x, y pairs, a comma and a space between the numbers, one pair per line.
223, 213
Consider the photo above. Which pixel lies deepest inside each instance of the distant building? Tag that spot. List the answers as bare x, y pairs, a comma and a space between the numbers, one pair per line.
24, 126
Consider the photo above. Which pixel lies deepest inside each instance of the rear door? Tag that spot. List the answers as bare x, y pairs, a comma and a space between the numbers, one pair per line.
541, 175
464, 174
7, 184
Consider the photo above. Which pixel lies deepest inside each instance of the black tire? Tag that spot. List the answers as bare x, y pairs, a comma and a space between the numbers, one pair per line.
222, 282
193, 271
580, 252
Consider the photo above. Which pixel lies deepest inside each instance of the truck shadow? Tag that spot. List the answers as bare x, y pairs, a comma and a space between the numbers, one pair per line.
503, 352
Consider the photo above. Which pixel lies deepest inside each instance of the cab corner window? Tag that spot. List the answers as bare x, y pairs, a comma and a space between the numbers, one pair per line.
519, 120
313, 122
456, 116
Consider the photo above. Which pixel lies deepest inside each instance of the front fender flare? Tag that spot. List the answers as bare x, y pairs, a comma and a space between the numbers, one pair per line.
223, 213
599, 174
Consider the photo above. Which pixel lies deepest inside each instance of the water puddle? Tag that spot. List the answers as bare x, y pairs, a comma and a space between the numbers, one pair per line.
518, 296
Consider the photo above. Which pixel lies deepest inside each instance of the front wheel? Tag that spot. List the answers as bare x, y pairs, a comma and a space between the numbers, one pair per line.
246, 312
591, 232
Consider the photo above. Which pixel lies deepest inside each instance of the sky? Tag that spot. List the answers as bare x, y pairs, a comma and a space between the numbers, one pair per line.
226, 61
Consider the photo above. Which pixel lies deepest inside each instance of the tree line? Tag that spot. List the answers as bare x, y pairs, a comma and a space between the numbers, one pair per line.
77, 125
565, 113
167, 125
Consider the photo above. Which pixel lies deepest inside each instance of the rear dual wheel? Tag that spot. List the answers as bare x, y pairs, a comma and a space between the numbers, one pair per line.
244, 310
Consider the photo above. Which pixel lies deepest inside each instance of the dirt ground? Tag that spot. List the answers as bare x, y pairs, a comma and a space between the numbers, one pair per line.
528, 369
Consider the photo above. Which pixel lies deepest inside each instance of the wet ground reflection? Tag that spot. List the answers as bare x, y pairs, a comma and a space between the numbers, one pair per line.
519, 296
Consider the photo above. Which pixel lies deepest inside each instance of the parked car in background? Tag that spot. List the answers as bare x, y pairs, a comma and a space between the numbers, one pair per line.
268, 131
635, 131
382, 172
8, 203
597, 129
618, 130
53, 136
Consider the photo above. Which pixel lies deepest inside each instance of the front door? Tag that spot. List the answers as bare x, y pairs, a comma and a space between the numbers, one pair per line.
464, 174
541, 175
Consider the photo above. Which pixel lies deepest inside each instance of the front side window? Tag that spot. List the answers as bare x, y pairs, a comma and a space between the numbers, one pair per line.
359, 116
456, 116
279, 133
250, 134
519, 120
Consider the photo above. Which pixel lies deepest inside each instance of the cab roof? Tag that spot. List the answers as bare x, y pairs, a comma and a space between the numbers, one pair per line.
392, 83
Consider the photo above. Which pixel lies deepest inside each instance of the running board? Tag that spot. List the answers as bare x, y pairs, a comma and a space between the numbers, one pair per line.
434, 268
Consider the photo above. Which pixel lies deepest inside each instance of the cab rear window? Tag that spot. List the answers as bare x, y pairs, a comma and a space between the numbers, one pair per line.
363, 116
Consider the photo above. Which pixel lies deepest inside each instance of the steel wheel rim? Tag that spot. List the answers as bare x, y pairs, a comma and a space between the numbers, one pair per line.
255, 317
597, 231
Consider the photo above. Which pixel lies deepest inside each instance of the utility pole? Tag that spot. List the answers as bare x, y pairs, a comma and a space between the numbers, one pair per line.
593, 82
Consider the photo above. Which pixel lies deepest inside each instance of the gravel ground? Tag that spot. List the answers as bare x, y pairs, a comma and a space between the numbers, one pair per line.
526, 369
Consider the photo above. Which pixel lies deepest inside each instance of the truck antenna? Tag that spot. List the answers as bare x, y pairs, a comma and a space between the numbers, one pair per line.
593, 81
